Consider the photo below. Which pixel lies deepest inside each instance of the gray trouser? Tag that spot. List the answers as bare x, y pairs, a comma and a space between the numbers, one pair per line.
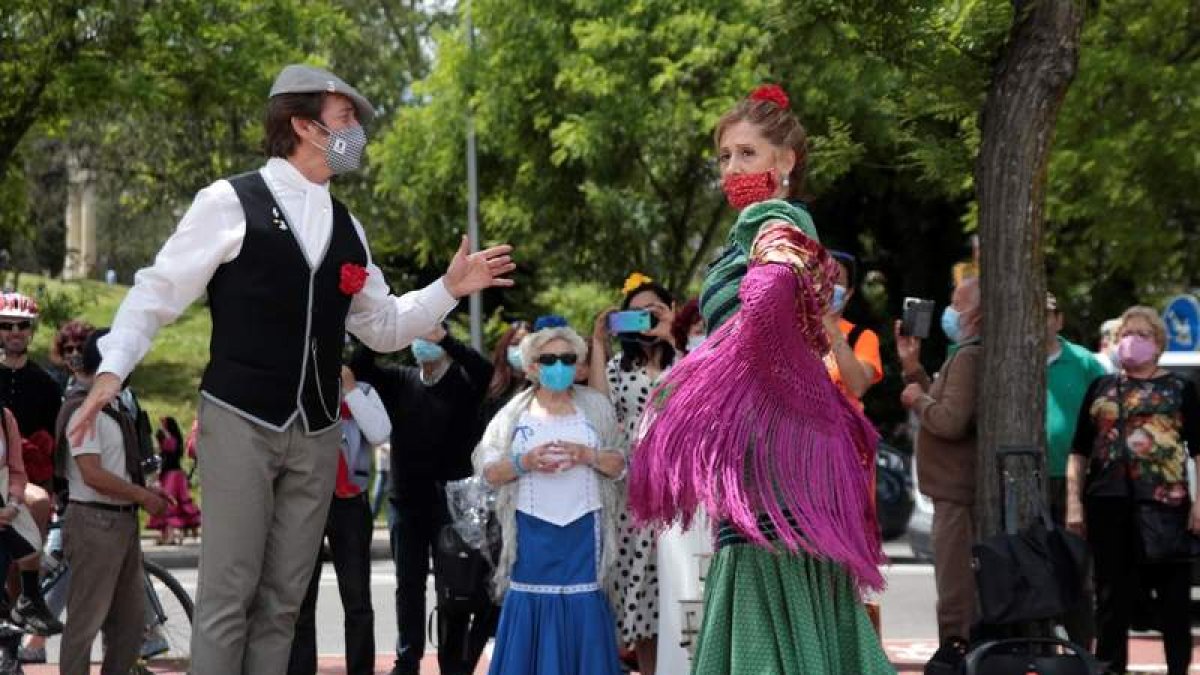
105, 555
266, 498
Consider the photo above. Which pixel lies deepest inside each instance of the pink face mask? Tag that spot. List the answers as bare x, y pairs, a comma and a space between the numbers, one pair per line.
744, 189
1135, 351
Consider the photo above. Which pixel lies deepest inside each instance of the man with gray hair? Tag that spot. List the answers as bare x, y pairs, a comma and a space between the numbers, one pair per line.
287, 272
946, 455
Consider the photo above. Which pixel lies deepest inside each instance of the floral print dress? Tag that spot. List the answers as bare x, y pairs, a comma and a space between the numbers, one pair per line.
1138, 433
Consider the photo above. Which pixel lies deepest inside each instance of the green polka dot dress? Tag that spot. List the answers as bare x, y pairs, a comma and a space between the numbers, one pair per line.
779, 613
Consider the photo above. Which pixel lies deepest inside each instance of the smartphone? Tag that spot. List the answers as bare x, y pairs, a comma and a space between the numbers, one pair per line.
630, 321
917, 318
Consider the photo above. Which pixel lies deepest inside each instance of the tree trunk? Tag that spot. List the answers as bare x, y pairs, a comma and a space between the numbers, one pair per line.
1027, 89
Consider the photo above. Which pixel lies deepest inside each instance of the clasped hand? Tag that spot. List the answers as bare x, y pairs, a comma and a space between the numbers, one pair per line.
558, 456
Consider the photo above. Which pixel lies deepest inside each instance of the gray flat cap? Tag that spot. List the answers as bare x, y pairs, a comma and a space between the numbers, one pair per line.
301, 79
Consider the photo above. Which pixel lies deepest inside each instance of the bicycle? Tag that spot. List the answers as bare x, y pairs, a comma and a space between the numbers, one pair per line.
169, 608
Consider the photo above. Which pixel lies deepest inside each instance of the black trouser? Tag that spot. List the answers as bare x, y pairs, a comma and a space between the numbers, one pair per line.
348, 530
1080, 620
419, 513
1119, 578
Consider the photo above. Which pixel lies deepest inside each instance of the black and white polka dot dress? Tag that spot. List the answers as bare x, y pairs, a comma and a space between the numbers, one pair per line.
637, 570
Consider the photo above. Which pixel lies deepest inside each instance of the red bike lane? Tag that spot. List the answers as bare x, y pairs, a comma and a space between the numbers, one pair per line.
909, 656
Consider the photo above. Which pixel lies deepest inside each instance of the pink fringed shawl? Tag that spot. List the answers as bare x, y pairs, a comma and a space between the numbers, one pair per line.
751, 427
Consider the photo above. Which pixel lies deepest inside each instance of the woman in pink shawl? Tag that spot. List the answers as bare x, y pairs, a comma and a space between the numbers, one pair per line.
182, 513
750, 428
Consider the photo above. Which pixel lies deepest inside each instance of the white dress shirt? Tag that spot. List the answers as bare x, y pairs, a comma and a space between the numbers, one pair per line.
369, 425
211, 233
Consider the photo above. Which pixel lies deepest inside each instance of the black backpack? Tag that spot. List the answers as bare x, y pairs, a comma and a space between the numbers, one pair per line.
139, 453
462, 574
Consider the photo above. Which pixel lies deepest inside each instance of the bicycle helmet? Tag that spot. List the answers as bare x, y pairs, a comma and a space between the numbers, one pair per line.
18, 305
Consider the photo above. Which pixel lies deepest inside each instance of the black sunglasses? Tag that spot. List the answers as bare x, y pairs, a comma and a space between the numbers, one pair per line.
551, 359
71, 349
15, 325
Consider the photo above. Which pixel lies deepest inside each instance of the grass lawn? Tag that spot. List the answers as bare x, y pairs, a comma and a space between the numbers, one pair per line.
168, 379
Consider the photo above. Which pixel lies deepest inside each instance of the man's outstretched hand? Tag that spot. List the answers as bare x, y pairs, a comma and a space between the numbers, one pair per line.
471, 272
104, 389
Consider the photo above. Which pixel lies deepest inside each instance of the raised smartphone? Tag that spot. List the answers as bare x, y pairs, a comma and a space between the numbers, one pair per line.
918, 317
629, 321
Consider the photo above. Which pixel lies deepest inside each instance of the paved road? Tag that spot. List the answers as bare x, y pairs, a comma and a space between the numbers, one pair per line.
909, 626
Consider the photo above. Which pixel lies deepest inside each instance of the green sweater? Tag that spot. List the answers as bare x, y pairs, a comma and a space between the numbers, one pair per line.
719, 297
1067, 381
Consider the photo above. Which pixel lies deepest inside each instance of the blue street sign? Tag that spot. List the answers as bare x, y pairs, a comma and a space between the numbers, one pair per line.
1182, 316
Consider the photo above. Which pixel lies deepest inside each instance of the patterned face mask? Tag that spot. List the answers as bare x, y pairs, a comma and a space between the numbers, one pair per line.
344, 148
744, 189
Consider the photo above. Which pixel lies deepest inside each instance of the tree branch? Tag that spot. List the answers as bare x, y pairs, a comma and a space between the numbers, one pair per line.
659, 190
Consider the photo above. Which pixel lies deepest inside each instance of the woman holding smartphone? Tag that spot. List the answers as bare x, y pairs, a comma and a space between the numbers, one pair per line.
554, 454
643, 329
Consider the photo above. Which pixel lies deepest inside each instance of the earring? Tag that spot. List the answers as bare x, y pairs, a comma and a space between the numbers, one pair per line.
786, 181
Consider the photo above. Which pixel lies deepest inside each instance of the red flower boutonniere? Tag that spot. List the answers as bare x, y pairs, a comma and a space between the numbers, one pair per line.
354, 277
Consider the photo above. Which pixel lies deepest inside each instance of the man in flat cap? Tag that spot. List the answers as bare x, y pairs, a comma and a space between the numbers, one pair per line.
287, 272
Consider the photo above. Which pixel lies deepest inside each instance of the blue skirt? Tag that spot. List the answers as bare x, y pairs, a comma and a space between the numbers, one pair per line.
556, 619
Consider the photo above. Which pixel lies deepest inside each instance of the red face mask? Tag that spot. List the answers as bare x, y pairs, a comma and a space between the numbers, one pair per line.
744, 189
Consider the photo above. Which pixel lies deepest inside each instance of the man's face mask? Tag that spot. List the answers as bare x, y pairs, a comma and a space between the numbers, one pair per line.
343, 147
425, 351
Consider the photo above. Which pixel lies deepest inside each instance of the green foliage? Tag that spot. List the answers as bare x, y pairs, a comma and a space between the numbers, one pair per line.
1122, 205
58, 307
579, 303
593, 122
159, 99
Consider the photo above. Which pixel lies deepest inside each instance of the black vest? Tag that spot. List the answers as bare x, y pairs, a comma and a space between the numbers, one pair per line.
278, 324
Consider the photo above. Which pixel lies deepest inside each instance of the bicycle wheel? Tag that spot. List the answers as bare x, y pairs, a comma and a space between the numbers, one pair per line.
169, 614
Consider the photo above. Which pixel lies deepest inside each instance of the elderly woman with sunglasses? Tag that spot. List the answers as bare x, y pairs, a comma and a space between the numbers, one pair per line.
554, 454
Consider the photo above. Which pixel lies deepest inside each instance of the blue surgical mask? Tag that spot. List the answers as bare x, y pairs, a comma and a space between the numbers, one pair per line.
694, 342
950, 324
557, 377
425, 351
514, 357
839, 297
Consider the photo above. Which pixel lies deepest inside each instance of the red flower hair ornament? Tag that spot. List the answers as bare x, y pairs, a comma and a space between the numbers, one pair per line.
353, 278
772, 93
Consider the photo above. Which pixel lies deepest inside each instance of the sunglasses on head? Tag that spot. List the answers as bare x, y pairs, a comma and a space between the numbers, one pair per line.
568, 359
15, 325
